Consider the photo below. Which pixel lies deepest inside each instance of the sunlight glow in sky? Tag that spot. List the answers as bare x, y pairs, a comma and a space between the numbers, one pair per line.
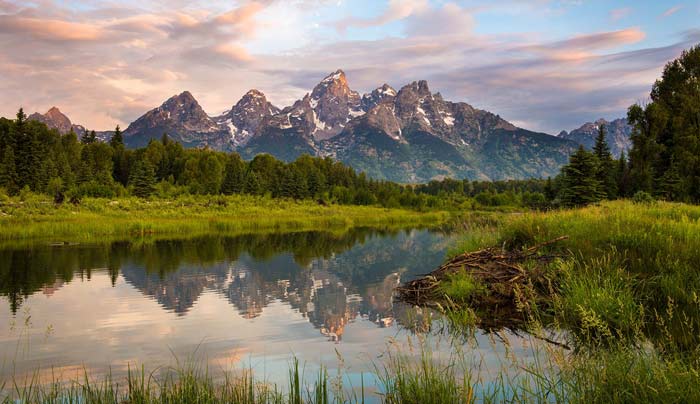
543, 65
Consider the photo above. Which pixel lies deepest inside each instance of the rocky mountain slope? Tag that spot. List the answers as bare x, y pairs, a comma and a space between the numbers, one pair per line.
409, 135
617, 135
244, 118
184, 120
55, 119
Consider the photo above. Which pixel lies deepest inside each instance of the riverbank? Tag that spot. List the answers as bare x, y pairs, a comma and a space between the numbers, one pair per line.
37, 217
622, 292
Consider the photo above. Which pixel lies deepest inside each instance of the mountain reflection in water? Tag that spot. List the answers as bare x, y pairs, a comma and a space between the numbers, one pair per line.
330, 279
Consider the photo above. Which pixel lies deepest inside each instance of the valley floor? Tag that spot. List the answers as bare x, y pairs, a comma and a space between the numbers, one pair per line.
37, 217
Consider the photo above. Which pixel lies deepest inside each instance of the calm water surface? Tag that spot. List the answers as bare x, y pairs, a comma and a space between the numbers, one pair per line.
246, 301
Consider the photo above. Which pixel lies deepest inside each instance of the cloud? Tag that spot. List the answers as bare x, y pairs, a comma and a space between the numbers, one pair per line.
396, 10
50, 30
600, 40
671, 11
104, 66
450, 19
620, 13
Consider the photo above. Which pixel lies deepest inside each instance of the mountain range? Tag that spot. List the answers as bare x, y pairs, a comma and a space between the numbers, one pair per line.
409, 135
617, 134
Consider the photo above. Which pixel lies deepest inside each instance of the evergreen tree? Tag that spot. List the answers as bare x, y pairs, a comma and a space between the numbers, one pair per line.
549, 192
670, 184
252, 184
601, 148
142, 178
89, 137
117, 139
21, 119
666, 132
8, 172
606, 165
234, 175
24, 153
622, 176
211, 173
315, 182
293, 184
580, 186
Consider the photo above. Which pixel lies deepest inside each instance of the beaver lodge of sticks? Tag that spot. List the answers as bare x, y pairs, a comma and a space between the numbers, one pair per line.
511, 285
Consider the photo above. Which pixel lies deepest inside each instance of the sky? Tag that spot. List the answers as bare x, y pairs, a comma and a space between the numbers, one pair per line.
544, 65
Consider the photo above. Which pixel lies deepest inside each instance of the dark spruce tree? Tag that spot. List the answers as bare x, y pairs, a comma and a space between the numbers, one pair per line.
234, 175
24, 152
142, 178
666, 133
606, 165
580, 185
622, 176
88, 137
117, 139
8, 172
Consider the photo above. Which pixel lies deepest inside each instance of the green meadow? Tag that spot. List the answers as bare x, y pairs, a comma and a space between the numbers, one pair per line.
36, 217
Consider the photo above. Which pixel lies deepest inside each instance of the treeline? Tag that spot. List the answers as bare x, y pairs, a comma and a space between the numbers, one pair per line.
527, 193
664, 161
39, 159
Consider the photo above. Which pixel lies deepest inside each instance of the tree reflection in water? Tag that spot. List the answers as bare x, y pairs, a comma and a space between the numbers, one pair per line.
331, 279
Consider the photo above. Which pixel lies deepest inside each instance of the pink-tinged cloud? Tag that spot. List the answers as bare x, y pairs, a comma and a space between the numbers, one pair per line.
620, 13
397, 10
601, 40
50, 30
232, 51
671, 11
241, 14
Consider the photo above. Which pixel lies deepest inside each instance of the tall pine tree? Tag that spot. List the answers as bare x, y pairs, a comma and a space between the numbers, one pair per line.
117, 139
8, 172
606, 166
580, 185
665, 156
142, 178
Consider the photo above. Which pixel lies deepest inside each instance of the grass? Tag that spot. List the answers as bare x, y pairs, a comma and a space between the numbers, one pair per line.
625, 297
36, 217
462, 287
402, 376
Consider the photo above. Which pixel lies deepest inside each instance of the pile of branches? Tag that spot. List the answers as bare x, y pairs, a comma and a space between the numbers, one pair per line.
516, 282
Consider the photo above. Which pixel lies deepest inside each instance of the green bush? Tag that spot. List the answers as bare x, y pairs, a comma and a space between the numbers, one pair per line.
642, 197
94, 189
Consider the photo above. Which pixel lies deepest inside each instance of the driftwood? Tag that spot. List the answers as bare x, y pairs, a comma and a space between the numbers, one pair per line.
516, 281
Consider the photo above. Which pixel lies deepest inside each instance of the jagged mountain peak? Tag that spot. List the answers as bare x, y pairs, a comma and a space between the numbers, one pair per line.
183, 100
255, 98
617, 134
54, 111
243, 119
183, 119
379, 95
55, 119
335, 83
420, 88
336, 76
332, 104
